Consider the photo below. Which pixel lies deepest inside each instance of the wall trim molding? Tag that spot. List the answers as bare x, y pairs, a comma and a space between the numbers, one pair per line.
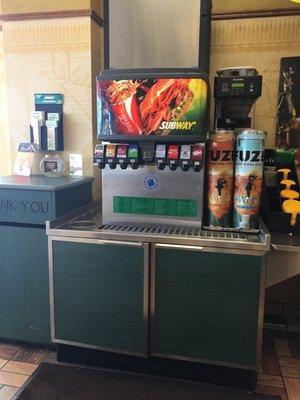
277, 12
52, 14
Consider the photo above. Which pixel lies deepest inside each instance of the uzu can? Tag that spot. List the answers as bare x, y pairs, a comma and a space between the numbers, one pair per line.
220, 178
250, 145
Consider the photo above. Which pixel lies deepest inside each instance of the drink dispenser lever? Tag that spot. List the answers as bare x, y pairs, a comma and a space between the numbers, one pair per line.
111, 156
122, 159
173, 154
197, 157
160, 156
99, 159
185, 157
133, 156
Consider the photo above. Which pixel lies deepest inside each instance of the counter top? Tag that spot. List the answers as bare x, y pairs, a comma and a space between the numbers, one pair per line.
286, 242
40, 182
87, 224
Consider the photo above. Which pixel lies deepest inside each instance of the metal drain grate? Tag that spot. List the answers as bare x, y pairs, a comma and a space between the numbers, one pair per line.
172, 230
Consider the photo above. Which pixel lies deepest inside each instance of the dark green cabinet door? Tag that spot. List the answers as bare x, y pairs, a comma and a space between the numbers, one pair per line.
206, 305
99, 295
24, 284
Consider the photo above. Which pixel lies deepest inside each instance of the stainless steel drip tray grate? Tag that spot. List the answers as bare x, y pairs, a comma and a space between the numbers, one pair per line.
180, 231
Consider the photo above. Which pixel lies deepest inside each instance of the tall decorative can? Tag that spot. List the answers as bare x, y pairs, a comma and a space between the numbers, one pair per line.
220, 178
250, 145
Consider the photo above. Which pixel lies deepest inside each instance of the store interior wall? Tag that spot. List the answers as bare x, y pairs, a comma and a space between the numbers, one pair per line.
221, 6
38, 56
5, 158
50, 56
31, 6
258, 42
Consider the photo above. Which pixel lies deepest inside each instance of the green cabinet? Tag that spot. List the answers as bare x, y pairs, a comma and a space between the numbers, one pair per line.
25, 204
100, 294
206, 305
24, 295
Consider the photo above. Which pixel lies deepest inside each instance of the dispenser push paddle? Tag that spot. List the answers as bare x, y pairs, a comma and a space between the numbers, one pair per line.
288, 183
285, 171
292, 207
289, 194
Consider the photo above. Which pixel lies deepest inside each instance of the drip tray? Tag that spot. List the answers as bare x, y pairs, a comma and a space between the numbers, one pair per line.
81, 224
178, 231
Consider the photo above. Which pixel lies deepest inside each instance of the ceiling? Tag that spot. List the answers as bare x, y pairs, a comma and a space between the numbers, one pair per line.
220, 6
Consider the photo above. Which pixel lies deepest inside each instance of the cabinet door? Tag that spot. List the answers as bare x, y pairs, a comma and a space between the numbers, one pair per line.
205, 305
24, 284
100, 294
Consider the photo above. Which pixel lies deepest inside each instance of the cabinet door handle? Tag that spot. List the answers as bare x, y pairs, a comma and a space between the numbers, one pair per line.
179, 247
133, 244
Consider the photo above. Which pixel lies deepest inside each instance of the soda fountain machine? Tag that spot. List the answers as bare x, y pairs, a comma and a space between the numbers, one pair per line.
139, 269
135, 281
153, 127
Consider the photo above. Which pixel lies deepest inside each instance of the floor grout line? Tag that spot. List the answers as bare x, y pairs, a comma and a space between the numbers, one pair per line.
17, 373
284, 386
6, 361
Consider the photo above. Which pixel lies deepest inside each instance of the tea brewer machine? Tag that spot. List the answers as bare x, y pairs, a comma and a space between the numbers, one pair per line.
236, 90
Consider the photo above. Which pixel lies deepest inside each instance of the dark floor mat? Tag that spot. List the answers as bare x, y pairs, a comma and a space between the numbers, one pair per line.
61, 382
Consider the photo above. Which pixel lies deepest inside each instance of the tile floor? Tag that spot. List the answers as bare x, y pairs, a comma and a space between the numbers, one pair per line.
279, 374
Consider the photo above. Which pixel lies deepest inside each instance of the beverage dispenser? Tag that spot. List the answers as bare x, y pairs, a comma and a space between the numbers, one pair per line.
152, 126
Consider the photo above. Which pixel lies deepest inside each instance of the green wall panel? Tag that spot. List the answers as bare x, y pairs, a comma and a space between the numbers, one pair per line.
98, 292
24, 293
207, 305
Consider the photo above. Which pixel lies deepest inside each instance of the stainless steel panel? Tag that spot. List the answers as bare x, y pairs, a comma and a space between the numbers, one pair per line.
51, 288
101, 348
284, 258
154, 33
261, 309
170, 185
282, 265
202, 361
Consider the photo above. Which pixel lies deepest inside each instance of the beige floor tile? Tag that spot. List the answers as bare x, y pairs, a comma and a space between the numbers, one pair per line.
51, 358
290, 367
7, 354
282, 347
270, 380
24, 353
19, 367
272, 391
12, 346
7, 392
270, 365
38, 356
293, 388
12, 379
2, 362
